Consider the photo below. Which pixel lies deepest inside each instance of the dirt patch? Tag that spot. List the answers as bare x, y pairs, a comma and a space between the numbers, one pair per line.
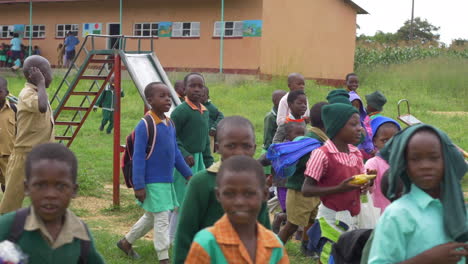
455, 113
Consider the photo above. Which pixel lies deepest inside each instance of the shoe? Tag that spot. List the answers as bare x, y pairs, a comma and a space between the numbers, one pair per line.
308, 253
129, 252
3, 188
108, 132
101, 128
277, 222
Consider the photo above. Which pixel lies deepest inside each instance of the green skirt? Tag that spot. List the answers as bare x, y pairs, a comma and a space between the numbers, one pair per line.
180, 183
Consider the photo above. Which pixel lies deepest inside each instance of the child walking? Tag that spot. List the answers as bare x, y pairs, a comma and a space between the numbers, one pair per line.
7, 129
47, 231
237, 236
383, 129
60, 54
153, 176
295, 82
200, 209
106, 101
215, 116
35, 125
429, 223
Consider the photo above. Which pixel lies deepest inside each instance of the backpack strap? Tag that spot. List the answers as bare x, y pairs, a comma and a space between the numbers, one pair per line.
17, 228
85, 246
151, 132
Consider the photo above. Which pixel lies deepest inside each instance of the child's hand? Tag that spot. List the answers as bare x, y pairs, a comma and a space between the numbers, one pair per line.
35, 76
190, 161
345, 186
140, 195
447, 253
269, 180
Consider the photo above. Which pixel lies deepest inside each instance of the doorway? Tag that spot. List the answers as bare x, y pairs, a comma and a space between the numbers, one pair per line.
113, 29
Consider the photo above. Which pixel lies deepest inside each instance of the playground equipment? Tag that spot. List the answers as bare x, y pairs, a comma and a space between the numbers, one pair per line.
84, 82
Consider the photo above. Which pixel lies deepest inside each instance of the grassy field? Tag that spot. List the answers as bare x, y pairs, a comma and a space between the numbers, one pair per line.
436, 88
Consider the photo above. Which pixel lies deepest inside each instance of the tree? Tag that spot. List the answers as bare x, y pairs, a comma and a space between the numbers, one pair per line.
423, 31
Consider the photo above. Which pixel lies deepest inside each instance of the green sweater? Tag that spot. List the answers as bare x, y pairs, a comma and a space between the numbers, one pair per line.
269, 127
192, 132
199, 210
215, 115
36, 247
107, 98
296, 181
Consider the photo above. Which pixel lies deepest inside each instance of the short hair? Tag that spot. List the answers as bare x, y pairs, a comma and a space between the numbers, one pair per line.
233, 121
293, 95
241, 163
149, 91
316, 115
293, 76
52, 151
190, 74
349, 75
291, 125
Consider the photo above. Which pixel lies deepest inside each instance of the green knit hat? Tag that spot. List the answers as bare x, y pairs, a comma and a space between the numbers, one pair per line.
376, 100
335, 116
338, 96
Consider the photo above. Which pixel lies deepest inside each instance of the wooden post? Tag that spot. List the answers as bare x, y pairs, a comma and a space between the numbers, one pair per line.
116, 174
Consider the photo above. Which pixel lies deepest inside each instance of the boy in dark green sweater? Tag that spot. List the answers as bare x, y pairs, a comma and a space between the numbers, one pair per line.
106, 101
200, 209
215, 116
50, 232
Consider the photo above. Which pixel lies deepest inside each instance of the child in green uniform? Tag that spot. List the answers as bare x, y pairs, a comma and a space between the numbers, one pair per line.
50, 232
106, 101
215, 116
200, 209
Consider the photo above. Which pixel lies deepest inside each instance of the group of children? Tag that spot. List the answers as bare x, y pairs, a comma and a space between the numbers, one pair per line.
218, 211
14, 59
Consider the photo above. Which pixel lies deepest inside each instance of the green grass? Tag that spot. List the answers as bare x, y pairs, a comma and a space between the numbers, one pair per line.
433, 85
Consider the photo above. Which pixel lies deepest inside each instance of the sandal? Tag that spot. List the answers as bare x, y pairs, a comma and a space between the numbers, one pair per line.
129, 252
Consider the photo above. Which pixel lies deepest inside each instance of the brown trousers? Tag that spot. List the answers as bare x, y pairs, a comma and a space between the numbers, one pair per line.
3, 167
14, 194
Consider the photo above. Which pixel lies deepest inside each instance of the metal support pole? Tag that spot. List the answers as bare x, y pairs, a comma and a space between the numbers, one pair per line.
411, 36
116, 174
30, 27
221, 40
120, 17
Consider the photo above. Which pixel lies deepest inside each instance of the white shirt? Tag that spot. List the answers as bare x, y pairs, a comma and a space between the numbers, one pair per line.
283, 110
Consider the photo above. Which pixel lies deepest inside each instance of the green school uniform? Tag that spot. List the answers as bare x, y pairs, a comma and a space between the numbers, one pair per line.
201, 209
215, 115
106, 101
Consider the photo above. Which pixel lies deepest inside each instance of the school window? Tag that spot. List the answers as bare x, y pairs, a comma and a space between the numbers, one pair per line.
63, 29
38, 31
146, 29
186, 29
231, 29
6, 31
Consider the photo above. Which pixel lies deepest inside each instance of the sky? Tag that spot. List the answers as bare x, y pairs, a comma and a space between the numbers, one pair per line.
389, 15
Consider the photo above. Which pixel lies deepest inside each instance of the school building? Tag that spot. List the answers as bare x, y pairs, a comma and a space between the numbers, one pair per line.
271, 37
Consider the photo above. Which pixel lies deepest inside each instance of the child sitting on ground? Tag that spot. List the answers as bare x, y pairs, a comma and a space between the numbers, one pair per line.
375, 104
7, 129
301, 209
429, 223
383, 129
200, 209
47, 231
215, 116
295, 82
153, 176
106, 101
237, 236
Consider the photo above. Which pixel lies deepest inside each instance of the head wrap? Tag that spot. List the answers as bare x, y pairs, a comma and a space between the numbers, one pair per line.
376, 100
338, 96
335, 116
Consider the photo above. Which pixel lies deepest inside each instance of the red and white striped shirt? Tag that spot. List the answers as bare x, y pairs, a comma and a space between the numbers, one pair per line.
317, 165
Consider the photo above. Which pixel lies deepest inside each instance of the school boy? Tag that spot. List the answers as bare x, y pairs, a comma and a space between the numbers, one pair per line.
269, 122
295, 82
153, 176
237, 237
7, 129
200, 209
47, 231
180, 90
215, 116
297, 104
106, 101
375, 104
35, 125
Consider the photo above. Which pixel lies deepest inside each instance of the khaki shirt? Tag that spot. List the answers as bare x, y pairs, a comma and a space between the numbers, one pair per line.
7, 129
33, 127
72, 228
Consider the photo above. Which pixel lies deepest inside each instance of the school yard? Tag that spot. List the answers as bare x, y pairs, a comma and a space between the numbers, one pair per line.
436, 88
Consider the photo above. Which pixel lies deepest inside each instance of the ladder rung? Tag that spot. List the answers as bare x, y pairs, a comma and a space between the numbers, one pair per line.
75, 108
101, 61
67, 123
62, 138
84, 93
93, 77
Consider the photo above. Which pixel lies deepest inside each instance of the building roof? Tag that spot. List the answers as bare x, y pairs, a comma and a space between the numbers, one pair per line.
35, 1
358, 9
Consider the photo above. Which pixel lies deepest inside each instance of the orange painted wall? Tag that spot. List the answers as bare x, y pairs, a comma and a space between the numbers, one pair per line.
200, 52
313, 37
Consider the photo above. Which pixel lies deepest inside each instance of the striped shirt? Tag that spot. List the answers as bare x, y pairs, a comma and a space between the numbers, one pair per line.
317, 166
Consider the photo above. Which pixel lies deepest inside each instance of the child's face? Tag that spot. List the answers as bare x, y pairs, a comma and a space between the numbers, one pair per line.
50, 188
204, 97
295, 132
179, 87
241, 196
352, 83
299, 106
357, 104
3, 92
194, 88
160, 100
351, 132
297, 83
235, 141
425, 162
384, 134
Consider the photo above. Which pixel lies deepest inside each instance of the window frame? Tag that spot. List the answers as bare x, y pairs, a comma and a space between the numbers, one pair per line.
8, 36
65, 31
178, 30
150, 30
237, 29
26, 31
